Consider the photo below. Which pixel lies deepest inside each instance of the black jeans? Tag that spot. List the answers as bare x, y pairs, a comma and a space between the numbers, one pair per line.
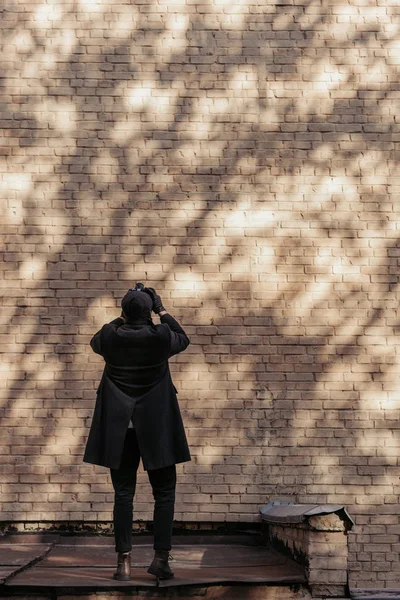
163, 483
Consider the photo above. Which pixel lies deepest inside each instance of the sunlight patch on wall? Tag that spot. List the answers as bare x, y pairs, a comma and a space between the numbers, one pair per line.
92, 6
322, 152
394, 48
20, 182
46, 372
97, 309
231, 14
327, 76
63, 42
143, 97
378, 72
126, 21
15, 211
65, 116
235, 219
393, 397
340, 31
140, 95
178, 22
332, 184
314, 101
47, 60
23, 41
374, 14
189, 280
29, 69
315, 291
339, 185
239, 80
204, 106
209, 453
173, 39
316, 91
251, 219
217, 5
60, 114
47, 15
178, 6
368, 160
148, 96
32, 269
370, 439
162, 102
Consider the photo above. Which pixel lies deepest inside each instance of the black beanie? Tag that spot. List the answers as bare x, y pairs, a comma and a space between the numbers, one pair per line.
137, 305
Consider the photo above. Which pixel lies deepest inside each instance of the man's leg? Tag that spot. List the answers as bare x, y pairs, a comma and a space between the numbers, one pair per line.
124, 483
163, 483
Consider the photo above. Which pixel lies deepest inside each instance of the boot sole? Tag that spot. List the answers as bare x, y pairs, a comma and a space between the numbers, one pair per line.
158, 574
122, 577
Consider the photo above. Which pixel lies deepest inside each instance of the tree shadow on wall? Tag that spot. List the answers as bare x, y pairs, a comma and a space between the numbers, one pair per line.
97, 212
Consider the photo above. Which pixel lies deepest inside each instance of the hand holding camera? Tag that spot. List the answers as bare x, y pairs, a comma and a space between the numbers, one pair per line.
157, 302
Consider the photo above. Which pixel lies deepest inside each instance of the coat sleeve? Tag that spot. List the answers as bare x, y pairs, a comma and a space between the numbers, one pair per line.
95, 342
179, 341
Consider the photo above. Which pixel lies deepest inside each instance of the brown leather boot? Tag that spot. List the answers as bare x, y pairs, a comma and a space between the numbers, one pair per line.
160, 567
123, 572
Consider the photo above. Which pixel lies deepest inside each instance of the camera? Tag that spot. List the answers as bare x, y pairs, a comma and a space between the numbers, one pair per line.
138, 288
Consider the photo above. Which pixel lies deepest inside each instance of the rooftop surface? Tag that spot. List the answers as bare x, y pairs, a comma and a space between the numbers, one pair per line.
55, 562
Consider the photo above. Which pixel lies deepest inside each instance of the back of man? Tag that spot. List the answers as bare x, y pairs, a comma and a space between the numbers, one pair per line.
136, 385
134, 355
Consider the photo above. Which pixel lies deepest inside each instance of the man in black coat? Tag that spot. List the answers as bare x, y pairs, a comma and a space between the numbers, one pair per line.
137, 416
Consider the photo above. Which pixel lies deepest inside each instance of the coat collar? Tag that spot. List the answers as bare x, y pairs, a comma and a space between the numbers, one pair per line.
138, 322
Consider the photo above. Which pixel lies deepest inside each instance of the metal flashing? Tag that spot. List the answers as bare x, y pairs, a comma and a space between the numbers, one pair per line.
291, 512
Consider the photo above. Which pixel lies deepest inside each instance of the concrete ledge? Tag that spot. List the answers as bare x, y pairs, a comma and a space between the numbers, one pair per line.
375, 594
314, 536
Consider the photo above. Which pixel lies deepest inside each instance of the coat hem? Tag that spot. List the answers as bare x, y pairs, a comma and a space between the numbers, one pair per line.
169, 464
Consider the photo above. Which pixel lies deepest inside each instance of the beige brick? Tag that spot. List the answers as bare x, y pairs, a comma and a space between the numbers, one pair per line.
250, 175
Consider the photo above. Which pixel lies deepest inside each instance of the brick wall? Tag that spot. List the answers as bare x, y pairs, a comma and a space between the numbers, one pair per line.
243, 159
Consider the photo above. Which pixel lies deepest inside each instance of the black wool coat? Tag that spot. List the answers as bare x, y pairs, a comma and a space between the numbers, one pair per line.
136, 383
